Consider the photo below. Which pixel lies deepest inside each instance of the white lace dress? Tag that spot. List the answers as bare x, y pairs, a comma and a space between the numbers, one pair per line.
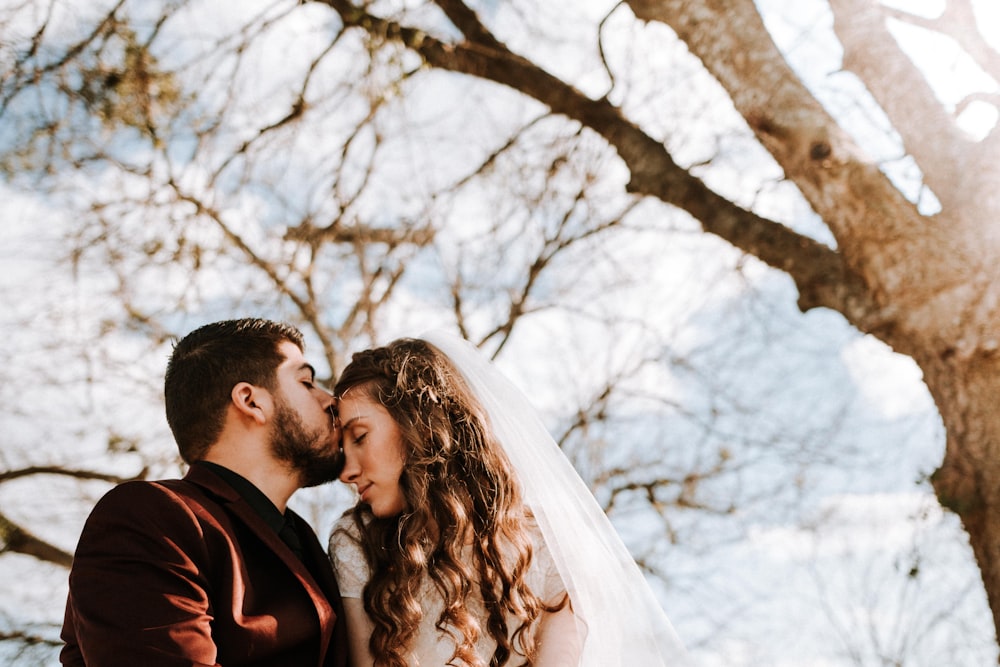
434, 648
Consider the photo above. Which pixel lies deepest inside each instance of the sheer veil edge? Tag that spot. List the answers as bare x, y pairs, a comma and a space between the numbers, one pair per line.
624, 624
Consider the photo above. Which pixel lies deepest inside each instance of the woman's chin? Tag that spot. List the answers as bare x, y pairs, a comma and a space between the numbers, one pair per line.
383, 512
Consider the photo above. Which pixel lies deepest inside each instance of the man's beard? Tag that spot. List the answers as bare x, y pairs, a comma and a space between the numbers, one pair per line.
309, 453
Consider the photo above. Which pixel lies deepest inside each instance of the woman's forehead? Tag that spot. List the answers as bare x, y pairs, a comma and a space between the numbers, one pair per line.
355, 405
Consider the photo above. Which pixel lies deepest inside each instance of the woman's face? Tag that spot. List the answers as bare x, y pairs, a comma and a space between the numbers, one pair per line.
373, 453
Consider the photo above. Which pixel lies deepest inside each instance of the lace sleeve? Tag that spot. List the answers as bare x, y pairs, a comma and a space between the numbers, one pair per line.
545, 579
347, 558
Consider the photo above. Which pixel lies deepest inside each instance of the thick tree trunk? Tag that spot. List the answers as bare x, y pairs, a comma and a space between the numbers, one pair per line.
968, 480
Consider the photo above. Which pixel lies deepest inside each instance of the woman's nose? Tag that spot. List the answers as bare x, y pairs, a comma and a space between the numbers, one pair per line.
351, 469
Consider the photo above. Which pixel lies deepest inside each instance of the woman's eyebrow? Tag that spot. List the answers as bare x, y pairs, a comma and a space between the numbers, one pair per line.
351, 421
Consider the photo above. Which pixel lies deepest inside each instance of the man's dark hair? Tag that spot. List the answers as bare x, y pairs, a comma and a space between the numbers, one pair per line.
205, 366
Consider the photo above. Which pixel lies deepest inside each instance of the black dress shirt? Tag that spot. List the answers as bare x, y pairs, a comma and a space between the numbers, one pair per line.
282, 524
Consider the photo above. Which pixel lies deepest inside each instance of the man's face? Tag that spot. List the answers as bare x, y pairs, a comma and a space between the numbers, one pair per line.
302, 426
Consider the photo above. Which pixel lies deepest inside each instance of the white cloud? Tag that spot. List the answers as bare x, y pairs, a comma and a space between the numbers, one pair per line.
891, 383
851, 523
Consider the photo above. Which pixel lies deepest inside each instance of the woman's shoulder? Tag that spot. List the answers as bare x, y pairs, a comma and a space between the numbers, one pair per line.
346, 521
530, 535
347, 556
533, 530
346, 530
544, 572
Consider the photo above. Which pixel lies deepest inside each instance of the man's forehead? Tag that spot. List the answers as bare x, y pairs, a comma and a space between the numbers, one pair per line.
289, 350
293, 356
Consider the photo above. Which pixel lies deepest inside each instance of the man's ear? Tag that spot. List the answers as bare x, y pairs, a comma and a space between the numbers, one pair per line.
252, 401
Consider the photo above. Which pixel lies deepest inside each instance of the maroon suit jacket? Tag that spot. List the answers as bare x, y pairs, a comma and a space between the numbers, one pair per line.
185, 572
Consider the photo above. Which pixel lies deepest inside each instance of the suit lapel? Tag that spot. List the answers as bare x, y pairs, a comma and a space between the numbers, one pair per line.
325, 592
240, 509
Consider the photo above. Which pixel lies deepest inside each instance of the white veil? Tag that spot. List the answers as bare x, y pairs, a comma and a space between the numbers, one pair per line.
623, 623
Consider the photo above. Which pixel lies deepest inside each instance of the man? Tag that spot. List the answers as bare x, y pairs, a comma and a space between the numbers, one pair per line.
213, 569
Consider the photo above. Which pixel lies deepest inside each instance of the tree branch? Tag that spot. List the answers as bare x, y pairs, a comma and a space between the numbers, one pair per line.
824, 162
28, 639
20, 79
468, 22
958, 21
361, 234
8, 475
928, 131
14, 538
822, 277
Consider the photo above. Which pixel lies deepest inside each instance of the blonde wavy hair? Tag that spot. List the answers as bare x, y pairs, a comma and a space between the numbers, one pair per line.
458, 487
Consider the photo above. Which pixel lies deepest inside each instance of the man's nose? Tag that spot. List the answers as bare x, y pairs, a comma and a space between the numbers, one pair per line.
327, 399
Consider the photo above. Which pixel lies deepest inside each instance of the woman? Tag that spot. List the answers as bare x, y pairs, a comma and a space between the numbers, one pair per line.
474, 541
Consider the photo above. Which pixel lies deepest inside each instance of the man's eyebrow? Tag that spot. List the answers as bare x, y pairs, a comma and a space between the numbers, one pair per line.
308, 367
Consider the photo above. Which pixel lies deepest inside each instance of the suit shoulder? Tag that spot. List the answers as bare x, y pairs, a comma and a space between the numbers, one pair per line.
134, 491
132, 518
142, 502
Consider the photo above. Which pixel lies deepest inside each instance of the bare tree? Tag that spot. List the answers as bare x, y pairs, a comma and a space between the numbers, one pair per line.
372, 179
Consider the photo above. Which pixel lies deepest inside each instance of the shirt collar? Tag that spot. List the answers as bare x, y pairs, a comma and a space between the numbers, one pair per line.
254, 497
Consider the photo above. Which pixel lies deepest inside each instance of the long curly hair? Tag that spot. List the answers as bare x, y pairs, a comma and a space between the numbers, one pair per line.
458, 487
